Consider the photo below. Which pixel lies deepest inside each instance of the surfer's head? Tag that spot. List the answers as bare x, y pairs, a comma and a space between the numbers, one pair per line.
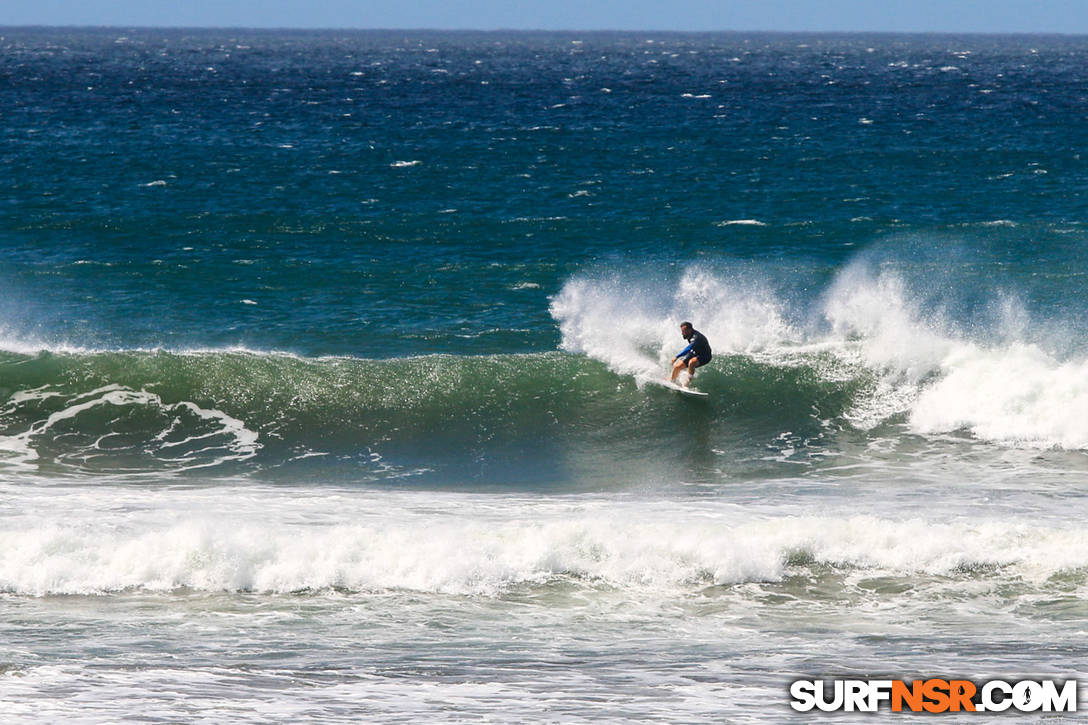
686, 329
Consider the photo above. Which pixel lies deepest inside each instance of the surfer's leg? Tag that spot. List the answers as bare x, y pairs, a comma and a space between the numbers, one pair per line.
692, 364
677, 366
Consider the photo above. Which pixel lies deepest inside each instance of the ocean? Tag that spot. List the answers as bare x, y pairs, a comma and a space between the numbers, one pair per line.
328, 362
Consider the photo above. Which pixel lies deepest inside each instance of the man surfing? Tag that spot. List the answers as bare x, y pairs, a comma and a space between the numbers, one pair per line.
695, 355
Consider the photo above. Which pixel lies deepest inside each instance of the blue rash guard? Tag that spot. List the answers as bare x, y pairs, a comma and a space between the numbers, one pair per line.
697, 347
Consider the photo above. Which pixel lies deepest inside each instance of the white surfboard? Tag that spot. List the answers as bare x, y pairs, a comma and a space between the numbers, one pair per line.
678, 388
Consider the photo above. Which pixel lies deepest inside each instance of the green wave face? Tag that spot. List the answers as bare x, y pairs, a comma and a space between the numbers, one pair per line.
544, 418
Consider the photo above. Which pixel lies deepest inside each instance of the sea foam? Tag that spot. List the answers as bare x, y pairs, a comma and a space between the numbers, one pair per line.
273, 542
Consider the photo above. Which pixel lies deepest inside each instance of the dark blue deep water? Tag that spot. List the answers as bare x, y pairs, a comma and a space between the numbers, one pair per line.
381, 194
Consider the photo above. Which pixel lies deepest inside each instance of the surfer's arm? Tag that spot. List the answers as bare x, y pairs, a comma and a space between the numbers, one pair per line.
683, 352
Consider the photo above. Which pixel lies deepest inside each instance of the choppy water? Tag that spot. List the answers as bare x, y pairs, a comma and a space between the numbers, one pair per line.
326, 360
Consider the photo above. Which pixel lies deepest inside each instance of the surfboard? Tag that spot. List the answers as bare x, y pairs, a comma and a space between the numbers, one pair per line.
680, 388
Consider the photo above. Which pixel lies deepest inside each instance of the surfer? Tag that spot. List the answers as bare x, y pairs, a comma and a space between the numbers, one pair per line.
695, 355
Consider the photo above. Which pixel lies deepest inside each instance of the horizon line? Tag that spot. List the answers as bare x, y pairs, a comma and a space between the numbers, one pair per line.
285, 28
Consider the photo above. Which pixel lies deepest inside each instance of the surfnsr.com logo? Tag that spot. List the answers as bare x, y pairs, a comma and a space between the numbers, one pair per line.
934, 695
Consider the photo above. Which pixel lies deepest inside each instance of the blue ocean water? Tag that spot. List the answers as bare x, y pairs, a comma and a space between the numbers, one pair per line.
327, 368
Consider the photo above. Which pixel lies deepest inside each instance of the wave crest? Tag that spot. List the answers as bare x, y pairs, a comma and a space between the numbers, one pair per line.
893, 337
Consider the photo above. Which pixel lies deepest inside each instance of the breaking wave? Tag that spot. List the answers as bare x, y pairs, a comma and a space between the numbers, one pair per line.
869, 349
894, 350
269, 542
